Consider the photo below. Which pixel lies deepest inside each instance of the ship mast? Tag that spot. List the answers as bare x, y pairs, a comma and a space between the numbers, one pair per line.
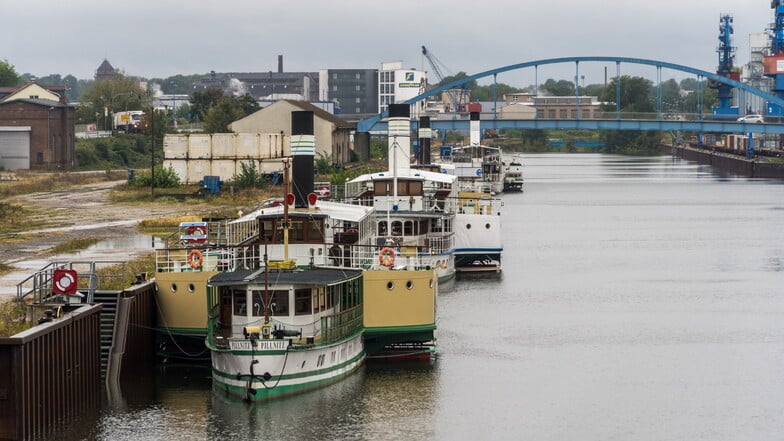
286, 192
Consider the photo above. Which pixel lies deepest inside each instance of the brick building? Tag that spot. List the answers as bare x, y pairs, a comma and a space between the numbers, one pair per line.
37, 129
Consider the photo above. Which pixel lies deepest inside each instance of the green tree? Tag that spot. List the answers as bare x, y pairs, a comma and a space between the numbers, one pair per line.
635, 94
485, 93
104, 98
8, 75
224, 112
558, 88
248, 104
202, 101
458, 76
592, 90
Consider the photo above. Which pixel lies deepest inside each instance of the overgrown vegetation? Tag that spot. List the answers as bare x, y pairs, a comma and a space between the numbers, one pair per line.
164, 225
33, 182
165, 177
12, 217
249, 177
116, 152
121, 276
12, 318
73, 245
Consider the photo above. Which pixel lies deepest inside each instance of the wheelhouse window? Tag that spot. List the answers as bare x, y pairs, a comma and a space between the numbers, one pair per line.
301, 230
279, 302
257, 303
302, 301
240, 302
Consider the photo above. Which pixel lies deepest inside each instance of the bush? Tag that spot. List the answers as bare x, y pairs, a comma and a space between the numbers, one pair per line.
323, 164
248, 177
165, 177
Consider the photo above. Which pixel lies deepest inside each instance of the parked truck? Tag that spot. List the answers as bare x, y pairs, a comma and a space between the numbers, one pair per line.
128, 121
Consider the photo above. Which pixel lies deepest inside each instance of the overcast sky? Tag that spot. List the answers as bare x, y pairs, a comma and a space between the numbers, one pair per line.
161, 38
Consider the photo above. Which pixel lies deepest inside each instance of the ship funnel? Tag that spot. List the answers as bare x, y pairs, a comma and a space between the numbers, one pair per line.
399, 132
425, 134
303, 151
476, 136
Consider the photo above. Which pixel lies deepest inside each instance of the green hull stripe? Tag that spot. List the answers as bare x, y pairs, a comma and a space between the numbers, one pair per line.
399, 329
263, 394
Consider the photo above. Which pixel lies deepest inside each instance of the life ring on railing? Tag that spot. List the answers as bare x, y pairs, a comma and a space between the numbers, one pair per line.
386, 256
198, 233
195, 259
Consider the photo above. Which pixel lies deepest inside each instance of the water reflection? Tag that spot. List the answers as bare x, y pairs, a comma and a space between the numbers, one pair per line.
640, 299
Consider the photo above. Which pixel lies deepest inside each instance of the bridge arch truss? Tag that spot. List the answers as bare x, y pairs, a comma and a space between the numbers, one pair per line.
369, 123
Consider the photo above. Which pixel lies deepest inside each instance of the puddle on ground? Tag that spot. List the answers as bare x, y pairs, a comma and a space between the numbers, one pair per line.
118, 249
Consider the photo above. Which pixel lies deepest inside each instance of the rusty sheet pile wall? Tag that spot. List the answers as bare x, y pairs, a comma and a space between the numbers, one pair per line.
51, 373
195, 156
139, 349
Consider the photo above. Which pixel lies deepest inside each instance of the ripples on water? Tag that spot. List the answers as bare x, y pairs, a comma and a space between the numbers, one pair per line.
641, 299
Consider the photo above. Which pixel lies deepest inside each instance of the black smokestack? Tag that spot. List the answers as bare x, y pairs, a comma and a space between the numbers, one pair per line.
425, 134
280, 63
303, 150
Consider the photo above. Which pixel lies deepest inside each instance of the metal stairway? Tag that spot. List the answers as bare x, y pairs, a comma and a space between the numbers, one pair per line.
108, 318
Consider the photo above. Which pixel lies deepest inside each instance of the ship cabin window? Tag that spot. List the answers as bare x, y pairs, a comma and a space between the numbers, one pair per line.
397, 228
302, 301
240, 301
330, 297
301, 230
382, 228
279, 302
404, 188
256, 303
318, 299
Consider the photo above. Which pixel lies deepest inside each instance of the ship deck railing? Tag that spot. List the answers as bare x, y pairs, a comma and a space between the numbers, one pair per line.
38, 288
479, 203
342, 325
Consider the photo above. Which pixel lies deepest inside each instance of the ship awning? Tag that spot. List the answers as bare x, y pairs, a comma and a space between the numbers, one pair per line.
302, 277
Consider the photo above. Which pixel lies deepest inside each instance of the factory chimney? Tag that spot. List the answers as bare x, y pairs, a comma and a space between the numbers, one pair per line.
280, 63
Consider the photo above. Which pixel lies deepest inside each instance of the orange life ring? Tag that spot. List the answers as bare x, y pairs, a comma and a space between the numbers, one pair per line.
195, 259
386, 256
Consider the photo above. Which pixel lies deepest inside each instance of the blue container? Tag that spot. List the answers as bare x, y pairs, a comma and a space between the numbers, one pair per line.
213, 184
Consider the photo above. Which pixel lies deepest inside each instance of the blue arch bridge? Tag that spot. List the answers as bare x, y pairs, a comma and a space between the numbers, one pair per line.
660, 120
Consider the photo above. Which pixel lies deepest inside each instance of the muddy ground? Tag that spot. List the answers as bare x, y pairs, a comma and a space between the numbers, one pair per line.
76, 212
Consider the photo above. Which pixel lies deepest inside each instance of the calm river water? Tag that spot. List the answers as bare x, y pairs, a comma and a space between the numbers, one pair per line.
641, 299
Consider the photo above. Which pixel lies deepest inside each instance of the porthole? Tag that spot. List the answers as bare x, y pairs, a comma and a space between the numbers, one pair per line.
191, 287
390, 285
173, 287
487, 226
468, 226
409, 284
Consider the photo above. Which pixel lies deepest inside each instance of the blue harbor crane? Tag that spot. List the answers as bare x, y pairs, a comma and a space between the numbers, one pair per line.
773, 63
725, 109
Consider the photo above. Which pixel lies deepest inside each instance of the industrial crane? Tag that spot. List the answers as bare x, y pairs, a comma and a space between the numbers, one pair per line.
457, 97
726, 51
773, 63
